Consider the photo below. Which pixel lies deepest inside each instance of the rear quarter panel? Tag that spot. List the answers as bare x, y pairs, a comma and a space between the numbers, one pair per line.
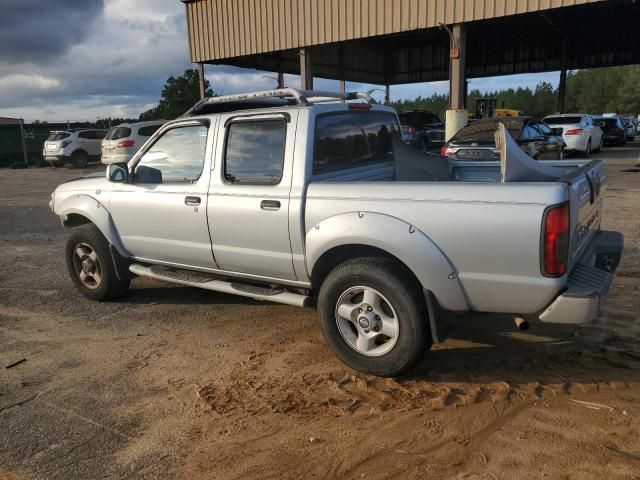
490, 233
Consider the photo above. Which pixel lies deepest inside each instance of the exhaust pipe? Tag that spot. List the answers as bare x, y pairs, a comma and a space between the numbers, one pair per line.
521, 323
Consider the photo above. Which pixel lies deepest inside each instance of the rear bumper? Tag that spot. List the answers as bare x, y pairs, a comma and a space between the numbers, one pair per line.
588, 282
576, 142
109, 158
56, 158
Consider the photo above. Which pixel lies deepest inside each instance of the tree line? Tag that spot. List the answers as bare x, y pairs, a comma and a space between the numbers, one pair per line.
600, 90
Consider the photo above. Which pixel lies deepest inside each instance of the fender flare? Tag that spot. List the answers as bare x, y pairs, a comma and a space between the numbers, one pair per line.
95, 211
396, 237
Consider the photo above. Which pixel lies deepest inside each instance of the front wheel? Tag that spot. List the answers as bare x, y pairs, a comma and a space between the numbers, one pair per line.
90, 265
373, 316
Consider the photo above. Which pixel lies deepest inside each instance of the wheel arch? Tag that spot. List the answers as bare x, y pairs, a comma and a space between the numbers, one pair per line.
82, 209
365, 233
79, 150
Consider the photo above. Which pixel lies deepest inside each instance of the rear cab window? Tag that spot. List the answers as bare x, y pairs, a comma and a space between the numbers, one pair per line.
351, 139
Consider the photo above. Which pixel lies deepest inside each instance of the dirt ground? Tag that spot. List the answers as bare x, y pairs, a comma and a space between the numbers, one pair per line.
174, 382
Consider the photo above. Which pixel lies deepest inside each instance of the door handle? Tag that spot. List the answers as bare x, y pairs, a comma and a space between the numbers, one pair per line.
270, 205
192, 201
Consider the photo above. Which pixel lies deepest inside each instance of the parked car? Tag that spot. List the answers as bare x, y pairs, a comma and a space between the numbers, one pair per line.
422, 129
578, 131
123, 141
475, 141
77, 147
612, 130
629, 129
322, 204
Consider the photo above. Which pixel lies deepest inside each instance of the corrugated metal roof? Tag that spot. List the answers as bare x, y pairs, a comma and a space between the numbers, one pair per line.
223, 29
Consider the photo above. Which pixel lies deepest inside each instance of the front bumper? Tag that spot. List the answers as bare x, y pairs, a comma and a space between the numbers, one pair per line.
588, 282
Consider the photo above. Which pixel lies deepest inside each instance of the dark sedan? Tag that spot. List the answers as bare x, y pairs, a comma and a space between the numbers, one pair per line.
476, 140
422, 129
612, 130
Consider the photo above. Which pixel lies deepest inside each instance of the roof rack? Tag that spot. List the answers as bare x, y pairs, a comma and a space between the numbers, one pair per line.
286, 95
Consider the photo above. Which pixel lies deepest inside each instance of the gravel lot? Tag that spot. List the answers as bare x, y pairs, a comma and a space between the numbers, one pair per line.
173, 382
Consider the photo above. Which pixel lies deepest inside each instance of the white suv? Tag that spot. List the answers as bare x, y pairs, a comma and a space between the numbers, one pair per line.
579, 131
123, 141
77, 146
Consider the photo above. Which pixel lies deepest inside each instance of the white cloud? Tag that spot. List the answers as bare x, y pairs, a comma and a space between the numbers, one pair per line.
28, 82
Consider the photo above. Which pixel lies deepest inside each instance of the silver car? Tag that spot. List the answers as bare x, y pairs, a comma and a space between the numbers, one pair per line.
123, 141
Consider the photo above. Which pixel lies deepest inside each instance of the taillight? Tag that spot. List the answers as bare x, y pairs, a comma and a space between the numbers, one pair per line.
556, 241
412, 130
359, 106
125, 143
448, 151
574, 131
65, 143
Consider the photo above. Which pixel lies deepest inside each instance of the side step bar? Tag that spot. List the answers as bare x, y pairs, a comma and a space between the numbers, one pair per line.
210, 282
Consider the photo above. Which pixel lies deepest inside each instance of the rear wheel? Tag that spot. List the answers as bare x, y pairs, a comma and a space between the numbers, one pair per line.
373, 316
80, 159
90, 265
587, 150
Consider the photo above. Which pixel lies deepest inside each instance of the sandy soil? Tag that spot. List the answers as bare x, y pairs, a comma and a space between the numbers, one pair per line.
174, 382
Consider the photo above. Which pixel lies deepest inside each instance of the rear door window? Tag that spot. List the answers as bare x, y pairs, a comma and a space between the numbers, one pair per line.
88, 135
254, 152
353, 139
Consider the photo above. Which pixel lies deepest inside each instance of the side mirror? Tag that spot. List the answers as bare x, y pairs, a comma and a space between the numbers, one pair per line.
117, 173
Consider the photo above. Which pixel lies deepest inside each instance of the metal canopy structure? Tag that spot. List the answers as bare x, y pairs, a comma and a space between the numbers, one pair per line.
409, 41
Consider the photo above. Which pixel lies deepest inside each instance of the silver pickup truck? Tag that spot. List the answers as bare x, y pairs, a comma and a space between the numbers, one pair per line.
312, 199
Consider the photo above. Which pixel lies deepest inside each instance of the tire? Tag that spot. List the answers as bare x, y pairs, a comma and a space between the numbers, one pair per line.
90, 265
587, 151
80, 159
398, 308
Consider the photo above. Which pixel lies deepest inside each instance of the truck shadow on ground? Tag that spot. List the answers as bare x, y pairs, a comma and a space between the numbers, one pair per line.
488, 348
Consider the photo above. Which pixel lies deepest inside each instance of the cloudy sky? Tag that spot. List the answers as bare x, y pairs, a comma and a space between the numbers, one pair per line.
76, 60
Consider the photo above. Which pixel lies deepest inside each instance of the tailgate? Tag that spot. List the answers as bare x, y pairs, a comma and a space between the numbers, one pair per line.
586, 193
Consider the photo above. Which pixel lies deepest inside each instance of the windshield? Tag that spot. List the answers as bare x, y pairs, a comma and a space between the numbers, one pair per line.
116, 133
484, 131
57, 136
562, 120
